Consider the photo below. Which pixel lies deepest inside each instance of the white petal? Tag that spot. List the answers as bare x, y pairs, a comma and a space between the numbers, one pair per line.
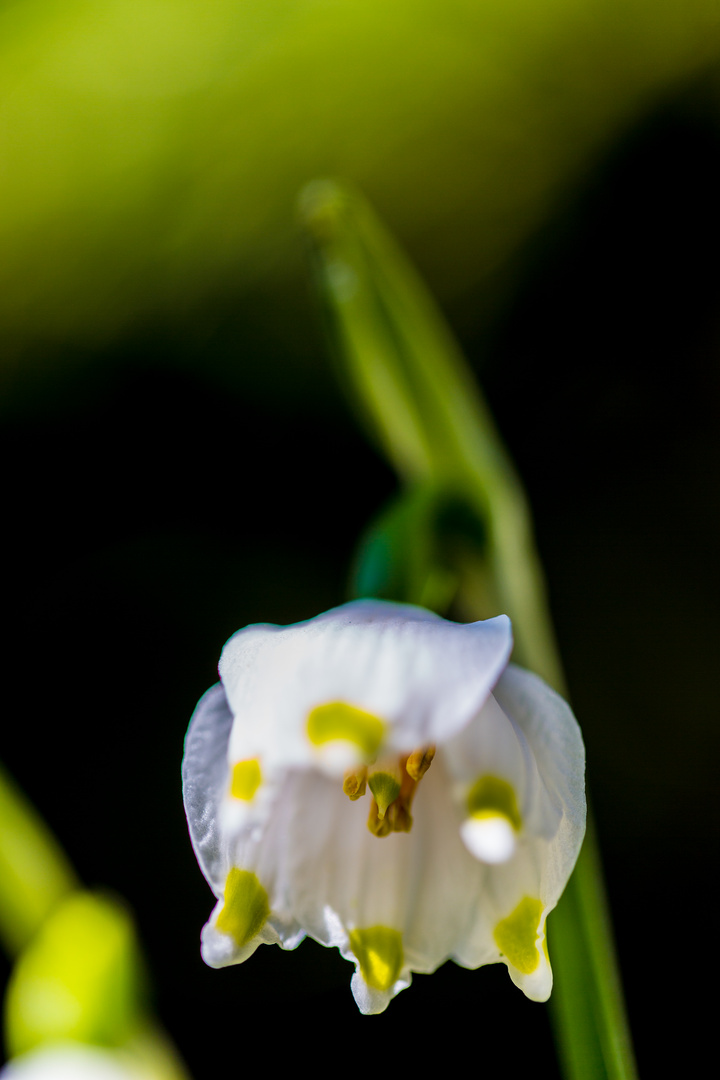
492, 840
422, 676
220, 847
493, 750
509, 922
257, 861
287, 853
554, 738
489, 744
520, 892
370, 1001
423, 884
447, 883
205, 778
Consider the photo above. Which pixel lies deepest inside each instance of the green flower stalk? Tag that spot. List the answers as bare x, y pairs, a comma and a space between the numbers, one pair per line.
75, 1004
460, 533
418, 401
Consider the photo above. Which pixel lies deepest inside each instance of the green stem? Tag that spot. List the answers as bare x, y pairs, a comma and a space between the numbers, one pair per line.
411, 387
581, 928
587, 1005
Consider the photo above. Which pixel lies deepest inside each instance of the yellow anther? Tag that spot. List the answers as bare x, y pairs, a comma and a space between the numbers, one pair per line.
393, 785
419, 762
379, 826
355, 783
399, 816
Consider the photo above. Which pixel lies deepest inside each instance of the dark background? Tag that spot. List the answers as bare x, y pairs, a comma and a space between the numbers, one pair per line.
153, 505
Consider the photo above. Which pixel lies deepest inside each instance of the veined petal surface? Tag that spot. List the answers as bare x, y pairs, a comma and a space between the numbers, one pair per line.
421, 676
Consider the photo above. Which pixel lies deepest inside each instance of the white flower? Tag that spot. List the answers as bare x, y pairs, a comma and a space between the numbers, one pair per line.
316, 806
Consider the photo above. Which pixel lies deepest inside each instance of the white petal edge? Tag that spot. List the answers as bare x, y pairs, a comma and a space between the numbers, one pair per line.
205, 781
205, 777
554, 737
423, 676
369, 1001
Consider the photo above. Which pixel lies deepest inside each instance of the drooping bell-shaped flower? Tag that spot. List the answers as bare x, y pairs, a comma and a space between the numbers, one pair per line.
380, 779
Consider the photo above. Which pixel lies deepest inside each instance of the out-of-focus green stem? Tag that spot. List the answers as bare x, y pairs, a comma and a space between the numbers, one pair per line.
34, 872
581, 927
587, 1005
411, 386
97, 984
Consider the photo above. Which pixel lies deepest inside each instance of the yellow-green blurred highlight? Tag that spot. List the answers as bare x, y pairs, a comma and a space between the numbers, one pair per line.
79, 975
34, 872
416, 395
79, 979
151, 150
597, 1042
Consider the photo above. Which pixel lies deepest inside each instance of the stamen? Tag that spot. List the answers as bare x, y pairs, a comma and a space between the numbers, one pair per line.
378, 826
420, 761
399, 816
393, 784
355, 783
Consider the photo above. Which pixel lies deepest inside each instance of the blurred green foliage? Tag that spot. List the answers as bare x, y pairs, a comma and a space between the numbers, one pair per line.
34, 872
151, 152
150, 157
78, 980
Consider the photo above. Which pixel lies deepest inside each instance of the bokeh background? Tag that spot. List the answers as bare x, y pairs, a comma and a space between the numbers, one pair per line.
178, 460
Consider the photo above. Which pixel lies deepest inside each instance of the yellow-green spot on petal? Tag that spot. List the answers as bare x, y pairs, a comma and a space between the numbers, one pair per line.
379, 952
246, 906
337, 720
246, 779
516, 936
490, 796
385, 788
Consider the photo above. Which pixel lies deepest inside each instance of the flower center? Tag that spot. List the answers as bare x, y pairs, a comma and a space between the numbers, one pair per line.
392, 782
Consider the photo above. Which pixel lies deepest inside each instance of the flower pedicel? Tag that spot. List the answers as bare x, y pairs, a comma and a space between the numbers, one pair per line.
382, 780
